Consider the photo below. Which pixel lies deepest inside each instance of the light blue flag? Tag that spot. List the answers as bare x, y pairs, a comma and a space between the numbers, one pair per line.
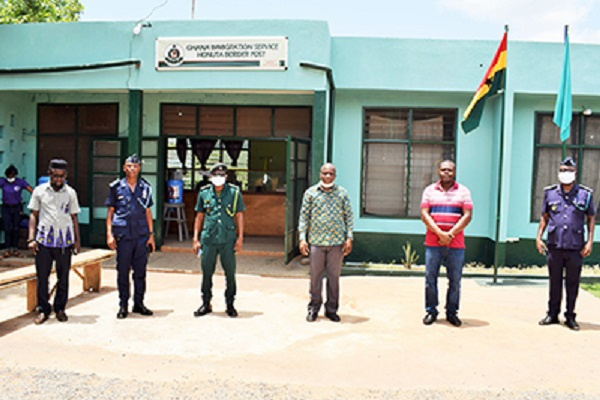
563, 110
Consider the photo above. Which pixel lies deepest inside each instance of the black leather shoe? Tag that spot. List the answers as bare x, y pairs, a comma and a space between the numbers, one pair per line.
311, 316
141, 309
41, 318
333, 316
231, 312
122, 314
572, 324
548, 320
429, 319
62, 316
203, 310
454, 320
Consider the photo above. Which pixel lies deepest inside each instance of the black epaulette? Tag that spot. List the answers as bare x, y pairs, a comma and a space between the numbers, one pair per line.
145, 181
587, 188
205, 187
114, 183
551, 187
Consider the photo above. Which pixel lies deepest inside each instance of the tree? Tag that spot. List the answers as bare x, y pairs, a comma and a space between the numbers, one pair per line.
27, 11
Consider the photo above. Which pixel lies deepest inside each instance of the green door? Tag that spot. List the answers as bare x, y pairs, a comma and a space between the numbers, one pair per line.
107, 157
296, 184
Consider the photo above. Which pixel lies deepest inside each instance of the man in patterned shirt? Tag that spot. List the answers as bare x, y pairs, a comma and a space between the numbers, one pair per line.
446, 210
326, 223
53, 236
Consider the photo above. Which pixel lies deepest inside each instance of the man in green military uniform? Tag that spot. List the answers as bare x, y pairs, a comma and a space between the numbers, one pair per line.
219, 210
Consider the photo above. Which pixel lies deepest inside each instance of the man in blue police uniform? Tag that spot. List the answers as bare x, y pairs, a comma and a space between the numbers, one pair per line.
218, 211
566, 208
129, 231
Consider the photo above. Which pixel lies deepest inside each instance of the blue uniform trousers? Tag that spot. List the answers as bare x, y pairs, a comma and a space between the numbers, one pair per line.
11, 215
209, 261
43, 266
132, 254
570, 262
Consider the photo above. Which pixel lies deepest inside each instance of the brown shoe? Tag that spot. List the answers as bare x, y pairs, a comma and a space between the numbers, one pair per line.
6, 254
61, 316
40, 319
16, 253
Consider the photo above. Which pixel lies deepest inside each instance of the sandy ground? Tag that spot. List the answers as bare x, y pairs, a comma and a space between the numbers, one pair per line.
381, 349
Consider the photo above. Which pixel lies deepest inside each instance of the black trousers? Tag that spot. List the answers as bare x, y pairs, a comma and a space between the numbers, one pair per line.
132, 254
567, 263
43, 265
11, 215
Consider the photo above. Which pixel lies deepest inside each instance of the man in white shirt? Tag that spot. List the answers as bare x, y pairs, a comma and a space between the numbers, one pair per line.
53, 236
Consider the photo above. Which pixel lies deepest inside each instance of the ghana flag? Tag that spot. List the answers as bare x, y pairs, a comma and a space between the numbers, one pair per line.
492, 82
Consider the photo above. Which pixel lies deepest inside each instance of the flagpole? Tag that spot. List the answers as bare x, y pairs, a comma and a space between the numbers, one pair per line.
497, 251
564, 143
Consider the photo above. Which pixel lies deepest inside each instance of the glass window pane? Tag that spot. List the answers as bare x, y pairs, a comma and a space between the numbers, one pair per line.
548, 161
107, 148
107, 165
384, 189
101, 183
386, 123
592, 130
150, 148
590, 173
150, 165
424, 161
549, 133
432, 124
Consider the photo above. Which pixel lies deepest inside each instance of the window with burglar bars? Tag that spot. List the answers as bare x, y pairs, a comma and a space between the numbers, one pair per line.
401, 150
583, 145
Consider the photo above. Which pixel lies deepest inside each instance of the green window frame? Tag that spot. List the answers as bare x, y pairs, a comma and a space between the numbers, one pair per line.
401, 150
583, 145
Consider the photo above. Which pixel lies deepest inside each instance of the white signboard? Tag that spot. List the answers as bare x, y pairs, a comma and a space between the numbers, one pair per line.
233, 53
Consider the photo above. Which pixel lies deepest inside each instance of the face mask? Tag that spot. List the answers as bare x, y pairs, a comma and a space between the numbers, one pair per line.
566, 177
11, 180
218, 180
326, 185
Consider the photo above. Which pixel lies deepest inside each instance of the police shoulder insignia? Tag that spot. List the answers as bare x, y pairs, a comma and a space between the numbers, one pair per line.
114, 183
205, 187
145, 181
551, 187
586, 188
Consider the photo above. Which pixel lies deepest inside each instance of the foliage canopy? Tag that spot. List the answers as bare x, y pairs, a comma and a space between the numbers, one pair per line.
28, 11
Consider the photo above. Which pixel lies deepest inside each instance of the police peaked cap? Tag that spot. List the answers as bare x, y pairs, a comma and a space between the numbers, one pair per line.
58, 163
218, 167
134, 159
568, 162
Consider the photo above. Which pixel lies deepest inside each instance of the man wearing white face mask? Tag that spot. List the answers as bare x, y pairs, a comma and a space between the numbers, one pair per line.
219, 211
567, 207
326, 225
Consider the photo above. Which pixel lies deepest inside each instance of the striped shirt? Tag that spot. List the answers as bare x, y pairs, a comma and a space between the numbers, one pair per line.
446, 208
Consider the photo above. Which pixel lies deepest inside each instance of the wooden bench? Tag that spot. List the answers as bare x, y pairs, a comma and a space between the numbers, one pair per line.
91, 275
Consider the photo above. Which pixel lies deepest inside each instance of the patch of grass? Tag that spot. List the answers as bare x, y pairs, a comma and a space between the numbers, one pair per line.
593, 288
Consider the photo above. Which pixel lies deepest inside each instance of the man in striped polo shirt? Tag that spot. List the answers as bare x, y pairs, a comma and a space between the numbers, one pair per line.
446, 210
